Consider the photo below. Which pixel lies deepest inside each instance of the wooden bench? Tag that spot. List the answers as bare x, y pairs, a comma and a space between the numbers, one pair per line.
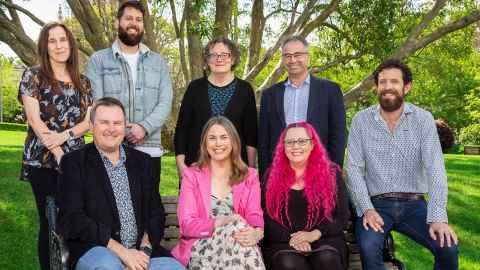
59, 251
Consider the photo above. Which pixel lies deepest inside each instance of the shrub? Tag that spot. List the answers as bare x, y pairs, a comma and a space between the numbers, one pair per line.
470, 135
445, 134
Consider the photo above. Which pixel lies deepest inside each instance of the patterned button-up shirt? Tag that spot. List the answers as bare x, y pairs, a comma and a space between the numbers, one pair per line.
408, 160
121, 191
295, 101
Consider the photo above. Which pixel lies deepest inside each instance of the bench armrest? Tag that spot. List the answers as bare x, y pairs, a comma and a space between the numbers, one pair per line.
57, 246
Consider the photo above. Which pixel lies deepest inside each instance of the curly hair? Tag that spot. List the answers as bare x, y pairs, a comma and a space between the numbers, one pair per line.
319, 178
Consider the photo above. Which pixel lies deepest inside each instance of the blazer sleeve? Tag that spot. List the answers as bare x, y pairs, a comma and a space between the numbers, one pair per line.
192, 225
264, 135
250, 124
73, 222
341, 213
336, 126
184, 122
253, 210
155, 220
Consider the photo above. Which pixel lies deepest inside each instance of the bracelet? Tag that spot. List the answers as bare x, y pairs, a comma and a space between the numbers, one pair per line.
147, 250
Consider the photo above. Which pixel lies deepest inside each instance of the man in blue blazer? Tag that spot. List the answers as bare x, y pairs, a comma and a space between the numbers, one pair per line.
301, 98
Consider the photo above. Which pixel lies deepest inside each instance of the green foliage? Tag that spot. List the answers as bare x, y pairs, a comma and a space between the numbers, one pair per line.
470, 135
9, 78
473, 104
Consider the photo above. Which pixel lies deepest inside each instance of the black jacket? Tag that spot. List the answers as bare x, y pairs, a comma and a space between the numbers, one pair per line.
88, 214
326, 113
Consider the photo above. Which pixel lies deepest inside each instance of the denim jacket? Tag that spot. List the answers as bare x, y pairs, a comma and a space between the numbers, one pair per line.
148, 103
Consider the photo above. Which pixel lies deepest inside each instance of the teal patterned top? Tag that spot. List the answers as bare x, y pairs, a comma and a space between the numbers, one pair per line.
220, 97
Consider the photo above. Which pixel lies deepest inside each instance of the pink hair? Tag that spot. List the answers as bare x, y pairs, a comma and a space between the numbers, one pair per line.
319, 179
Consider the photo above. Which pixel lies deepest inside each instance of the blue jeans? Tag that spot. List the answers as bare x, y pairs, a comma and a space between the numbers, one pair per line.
101, 258
408, 218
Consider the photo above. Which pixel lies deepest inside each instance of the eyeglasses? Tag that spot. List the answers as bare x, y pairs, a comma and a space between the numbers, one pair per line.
297, 55
299, 142
218, 56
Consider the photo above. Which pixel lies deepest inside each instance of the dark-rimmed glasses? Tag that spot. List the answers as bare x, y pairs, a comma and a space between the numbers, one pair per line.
299, 142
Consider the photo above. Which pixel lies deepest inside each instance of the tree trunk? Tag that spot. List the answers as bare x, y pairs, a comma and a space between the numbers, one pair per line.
193, 38
223, 16
256, 35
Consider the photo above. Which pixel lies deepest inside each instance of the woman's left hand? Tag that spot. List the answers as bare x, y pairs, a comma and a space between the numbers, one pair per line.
53, 139
302, 236
249, 236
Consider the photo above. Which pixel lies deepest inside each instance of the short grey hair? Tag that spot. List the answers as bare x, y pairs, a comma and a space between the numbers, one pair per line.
295, 39
106, 102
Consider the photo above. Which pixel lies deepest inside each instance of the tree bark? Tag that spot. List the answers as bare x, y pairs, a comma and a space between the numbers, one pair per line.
180, 34
257, 26
223, 16
193, 38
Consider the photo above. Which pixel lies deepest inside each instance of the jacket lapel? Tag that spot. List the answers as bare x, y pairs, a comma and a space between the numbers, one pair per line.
96, 163
238, 191
279, 94
313, 96
205, 188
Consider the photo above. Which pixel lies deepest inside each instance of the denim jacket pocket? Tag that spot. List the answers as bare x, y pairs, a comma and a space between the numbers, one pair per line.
152, 78
112, 80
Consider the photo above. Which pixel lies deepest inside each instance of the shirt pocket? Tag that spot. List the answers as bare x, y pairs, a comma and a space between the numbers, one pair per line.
112, 80
152, 78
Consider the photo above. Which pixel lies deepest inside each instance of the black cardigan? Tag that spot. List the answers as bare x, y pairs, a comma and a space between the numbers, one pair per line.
195, 111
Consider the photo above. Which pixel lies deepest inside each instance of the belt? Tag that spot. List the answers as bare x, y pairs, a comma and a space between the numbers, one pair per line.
400, 196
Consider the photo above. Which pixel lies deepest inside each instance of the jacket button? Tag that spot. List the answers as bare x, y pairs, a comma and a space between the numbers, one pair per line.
117, 233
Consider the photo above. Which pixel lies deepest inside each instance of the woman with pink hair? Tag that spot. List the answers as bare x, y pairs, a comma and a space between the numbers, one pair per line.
305, 203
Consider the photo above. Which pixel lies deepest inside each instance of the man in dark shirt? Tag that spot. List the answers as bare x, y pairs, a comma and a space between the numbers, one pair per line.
110, 214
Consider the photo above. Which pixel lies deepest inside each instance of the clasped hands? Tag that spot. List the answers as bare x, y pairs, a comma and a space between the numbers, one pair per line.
438, 230
247, 236
301, 240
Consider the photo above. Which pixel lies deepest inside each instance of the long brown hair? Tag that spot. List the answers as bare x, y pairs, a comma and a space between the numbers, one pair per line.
239, 168
72, 61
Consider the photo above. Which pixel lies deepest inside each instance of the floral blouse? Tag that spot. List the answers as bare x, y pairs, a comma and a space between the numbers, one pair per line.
61, 108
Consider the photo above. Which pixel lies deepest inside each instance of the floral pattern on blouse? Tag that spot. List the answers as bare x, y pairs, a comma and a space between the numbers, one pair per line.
61, 108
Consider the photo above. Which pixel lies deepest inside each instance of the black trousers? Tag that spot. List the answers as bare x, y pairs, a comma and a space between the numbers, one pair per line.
44, 183
157, 166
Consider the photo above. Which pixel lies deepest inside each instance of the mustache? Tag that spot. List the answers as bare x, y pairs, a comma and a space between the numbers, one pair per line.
389, 91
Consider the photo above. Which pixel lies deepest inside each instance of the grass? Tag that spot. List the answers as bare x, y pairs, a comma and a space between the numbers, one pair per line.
18, 216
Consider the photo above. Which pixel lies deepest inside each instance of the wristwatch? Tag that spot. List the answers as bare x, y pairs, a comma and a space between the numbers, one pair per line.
70, 134
147, 250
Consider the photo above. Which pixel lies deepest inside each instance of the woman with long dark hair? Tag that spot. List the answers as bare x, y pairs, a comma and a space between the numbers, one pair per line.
305, 203
56, 99
219, 212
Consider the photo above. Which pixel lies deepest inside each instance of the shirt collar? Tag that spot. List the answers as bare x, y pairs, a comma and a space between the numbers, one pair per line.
116, 48
122, 159
407, 109
306, 82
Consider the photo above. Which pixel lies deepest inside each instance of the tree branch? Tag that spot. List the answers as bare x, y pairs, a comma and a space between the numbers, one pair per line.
408, 48
24, 11
308, 28
341, 60
288, 31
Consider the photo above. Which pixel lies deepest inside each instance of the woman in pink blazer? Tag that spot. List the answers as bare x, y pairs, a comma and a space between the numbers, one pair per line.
219, 212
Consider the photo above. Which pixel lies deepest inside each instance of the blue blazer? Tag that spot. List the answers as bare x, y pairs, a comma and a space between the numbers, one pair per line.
326, 113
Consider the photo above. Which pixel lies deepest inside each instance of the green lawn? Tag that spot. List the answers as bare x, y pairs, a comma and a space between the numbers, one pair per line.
18, 217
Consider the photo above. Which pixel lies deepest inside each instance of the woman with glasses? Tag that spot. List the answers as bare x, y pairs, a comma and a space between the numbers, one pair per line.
219, 211
56, 100
219, 93
306, 208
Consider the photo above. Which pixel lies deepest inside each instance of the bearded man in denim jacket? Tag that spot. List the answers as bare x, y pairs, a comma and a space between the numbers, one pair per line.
139, 78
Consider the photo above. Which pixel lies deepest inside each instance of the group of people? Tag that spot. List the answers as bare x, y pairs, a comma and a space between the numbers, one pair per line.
289, 216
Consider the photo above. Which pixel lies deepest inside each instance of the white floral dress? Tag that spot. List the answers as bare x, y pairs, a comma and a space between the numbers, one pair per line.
221, 251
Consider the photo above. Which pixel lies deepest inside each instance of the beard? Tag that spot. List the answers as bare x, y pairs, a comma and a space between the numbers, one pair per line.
390, 105
130, 39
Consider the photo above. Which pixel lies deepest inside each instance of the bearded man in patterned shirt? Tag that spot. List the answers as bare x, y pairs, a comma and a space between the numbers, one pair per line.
394, 161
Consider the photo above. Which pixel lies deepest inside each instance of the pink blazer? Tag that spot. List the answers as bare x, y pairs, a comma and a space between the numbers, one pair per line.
194, 207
